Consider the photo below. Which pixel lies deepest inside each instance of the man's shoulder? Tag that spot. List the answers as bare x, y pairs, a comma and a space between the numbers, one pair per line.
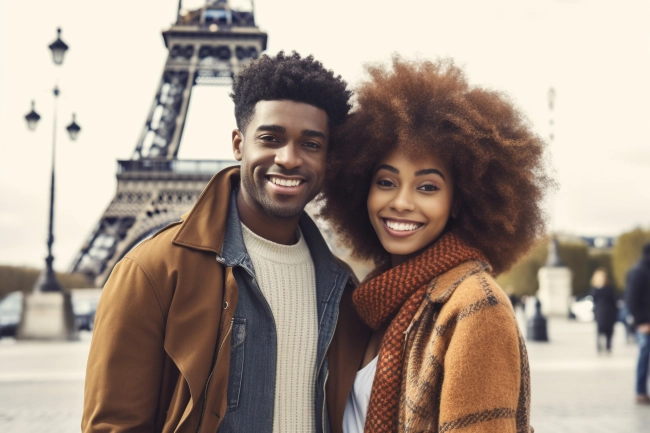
160, 257
156, 246
639, 269
353, 282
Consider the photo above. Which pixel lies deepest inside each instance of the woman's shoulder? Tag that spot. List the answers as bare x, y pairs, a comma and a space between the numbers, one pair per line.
471, 288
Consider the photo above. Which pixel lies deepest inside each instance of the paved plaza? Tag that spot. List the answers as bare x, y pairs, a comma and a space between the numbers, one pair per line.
574, 389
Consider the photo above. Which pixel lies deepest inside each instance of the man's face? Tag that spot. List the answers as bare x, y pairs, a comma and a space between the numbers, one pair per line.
283, 153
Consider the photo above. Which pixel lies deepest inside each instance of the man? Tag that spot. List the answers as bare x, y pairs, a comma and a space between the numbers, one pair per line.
221, 321
637, 301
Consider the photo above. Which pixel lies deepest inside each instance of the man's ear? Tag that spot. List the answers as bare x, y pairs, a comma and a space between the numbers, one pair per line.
237, 144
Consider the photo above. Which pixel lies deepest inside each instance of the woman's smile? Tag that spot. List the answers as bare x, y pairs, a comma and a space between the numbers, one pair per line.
401, 228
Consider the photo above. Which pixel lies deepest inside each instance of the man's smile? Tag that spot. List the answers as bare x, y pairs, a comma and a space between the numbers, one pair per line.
284, 181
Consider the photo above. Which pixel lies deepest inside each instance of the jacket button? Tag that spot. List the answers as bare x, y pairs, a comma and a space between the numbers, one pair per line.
225, 305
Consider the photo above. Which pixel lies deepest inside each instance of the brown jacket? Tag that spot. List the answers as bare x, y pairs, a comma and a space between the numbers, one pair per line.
466, 367
153, 346
156, 360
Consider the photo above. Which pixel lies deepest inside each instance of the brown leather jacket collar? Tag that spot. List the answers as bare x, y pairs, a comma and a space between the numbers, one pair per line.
203, 227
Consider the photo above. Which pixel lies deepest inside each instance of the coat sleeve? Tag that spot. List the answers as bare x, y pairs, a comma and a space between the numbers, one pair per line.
486, 377
637, 292
637, 295
126, 355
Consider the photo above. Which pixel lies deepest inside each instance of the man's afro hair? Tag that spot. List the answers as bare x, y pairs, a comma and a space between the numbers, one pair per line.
289, 78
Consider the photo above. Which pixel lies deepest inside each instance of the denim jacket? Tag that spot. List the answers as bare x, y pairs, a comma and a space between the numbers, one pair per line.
251, 380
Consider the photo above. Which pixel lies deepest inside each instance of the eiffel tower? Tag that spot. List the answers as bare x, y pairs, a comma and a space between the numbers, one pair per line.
207, 46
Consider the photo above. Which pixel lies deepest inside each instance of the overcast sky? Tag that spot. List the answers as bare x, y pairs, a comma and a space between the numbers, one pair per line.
595, 53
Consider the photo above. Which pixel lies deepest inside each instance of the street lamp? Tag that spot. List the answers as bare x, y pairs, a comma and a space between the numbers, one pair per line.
32, 118
58, 48
73, 128
47, 312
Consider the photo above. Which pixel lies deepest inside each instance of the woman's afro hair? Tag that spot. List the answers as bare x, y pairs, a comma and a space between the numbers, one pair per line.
289, 78
496, 161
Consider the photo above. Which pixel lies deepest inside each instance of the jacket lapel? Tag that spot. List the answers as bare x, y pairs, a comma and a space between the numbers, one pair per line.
203, 227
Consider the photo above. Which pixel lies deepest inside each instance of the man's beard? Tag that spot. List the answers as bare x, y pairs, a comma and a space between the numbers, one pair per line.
272, 208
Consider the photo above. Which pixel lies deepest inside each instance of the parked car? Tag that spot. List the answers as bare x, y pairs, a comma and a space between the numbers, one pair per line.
11, 307
583, 309
84, 306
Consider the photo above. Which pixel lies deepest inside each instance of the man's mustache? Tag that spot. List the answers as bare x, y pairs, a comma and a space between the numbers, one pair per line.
284, 172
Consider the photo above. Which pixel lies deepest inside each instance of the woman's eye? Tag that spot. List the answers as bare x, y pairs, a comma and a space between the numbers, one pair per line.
312, 145
384, 182
428, 187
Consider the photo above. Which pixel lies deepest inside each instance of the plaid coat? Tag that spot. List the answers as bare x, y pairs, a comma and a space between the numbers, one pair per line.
466, 367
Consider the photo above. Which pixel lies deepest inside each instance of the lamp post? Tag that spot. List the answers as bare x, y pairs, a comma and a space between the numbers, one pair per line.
48, 302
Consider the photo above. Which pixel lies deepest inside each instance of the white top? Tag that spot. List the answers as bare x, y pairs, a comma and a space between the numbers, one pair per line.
285, 275
356, 408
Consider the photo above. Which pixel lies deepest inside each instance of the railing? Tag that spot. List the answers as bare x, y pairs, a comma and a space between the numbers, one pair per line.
179, 166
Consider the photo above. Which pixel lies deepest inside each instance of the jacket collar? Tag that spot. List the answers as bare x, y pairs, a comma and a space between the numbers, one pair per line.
442, 287
203, 227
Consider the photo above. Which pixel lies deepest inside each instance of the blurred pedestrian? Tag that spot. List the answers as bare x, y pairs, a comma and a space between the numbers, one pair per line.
605, 309
637, 300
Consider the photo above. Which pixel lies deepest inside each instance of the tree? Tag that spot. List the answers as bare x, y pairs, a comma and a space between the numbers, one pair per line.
521, 279
575, 256
627, 252
20, 278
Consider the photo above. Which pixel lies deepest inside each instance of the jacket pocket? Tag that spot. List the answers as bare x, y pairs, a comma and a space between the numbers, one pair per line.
238, 335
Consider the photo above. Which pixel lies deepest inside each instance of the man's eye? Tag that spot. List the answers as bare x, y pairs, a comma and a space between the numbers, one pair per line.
312, 145
384, 182
268, 138
428, 188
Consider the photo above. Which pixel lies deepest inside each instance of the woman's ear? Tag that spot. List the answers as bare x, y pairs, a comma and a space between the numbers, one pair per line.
455, 209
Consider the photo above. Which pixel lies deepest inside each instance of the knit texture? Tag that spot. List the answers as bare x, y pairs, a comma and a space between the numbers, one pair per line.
285, 274
401, 289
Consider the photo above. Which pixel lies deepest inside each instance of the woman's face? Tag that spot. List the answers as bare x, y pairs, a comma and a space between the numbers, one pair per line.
599, 279
409, 203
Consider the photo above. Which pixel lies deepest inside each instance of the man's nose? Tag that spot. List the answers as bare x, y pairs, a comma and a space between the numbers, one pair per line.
288, 156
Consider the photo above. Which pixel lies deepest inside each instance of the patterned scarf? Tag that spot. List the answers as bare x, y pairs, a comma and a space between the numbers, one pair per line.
401, 288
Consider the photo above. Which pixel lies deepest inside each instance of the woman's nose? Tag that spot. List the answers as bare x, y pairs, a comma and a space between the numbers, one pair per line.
402, 201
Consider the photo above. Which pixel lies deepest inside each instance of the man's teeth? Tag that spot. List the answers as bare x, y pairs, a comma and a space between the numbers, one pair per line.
285, 182
402, 226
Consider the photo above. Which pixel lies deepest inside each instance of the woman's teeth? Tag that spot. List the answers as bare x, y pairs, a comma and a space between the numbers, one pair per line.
285, 182
402, 226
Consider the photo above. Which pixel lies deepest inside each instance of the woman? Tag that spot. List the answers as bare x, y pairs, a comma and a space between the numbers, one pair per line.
440, 185
605, 309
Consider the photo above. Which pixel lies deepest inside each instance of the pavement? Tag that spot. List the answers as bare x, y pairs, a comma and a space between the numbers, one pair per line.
576, 390
573, 388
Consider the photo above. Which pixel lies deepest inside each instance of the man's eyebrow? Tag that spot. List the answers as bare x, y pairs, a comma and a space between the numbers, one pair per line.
430, 171
389, 168
312, 133
272, 128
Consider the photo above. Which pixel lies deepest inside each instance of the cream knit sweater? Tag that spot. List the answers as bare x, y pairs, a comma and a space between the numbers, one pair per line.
285, 274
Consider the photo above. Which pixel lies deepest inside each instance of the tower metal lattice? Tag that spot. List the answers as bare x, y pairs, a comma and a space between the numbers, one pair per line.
207, 46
